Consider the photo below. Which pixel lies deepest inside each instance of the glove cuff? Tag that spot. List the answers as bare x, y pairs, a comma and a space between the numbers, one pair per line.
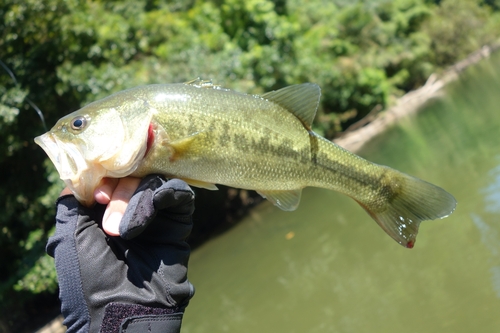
134, 318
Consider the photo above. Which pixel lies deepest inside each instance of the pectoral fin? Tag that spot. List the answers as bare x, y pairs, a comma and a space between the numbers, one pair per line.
286, 200
192, 144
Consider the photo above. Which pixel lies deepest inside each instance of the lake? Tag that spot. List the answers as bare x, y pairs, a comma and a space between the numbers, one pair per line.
328, 267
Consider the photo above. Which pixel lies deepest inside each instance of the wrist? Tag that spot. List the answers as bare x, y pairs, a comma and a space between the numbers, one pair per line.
134, 318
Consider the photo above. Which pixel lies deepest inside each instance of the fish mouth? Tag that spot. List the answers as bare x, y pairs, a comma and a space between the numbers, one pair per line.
70, 164
66, 157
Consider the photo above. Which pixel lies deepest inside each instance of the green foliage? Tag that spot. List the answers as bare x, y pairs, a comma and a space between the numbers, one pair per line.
10, 97
362, 55
458, 28
66, 54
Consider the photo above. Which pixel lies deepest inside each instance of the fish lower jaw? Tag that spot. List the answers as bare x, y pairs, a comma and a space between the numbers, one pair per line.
84, 184
81, 194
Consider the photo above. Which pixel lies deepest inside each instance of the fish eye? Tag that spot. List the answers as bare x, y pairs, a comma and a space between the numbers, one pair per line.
78, 123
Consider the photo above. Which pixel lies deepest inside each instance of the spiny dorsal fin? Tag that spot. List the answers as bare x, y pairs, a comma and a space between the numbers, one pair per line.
200, 83
301, 99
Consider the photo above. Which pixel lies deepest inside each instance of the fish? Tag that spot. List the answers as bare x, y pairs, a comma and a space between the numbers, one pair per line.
205, 135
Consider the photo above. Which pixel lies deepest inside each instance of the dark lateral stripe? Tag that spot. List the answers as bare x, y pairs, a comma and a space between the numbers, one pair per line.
342, 167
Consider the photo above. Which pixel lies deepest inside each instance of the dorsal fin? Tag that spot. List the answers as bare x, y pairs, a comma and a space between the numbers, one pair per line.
200, 83
301, 100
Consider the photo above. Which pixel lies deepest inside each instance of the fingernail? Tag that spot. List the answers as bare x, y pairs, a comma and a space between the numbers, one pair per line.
112, 224
101, 197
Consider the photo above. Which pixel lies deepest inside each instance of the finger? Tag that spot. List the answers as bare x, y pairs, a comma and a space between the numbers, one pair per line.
118, 203
104, 191
65, 191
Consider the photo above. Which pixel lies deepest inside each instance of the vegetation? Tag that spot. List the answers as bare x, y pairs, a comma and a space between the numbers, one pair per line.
65, 54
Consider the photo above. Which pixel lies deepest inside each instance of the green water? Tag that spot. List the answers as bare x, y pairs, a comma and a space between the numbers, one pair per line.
329, 268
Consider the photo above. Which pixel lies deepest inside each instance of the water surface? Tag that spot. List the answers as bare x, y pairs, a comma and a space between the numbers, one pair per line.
329, 268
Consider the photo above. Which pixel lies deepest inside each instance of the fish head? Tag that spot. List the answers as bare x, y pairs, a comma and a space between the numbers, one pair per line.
107, 138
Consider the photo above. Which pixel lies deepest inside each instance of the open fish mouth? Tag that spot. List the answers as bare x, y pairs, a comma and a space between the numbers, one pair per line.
67, 158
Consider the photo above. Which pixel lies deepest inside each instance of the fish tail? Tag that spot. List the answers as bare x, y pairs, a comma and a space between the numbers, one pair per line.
409, 201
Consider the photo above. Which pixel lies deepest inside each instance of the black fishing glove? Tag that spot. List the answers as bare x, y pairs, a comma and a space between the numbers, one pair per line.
135, 283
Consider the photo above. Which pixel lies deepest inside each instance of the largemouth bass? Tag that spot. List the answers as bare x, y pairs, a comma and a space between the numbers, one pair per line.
208, 135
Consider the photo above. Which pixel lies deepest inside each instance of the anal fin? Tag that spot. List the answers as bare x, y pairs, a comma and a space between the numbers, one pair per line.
286, 200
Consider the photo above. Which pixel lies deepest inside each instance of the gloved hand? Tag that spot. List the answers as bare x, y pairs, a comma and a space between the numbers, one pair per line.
136, 282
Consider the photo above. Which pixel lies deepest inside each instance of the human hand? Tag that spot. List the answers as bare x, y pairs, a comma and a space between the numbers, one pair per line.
115, 193
108, 282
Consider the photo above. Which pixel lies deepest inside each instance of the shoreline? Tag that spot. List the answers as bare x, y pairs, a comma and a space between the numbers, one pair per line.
410, 103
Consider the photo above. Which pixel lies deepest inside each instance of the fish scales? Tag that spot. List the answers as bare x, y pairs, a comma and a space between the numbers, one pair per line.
246, 143
208, 135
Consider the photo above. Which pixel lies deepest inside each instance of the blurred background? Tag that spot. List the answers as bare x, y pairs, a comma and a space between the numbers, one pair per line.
326, 267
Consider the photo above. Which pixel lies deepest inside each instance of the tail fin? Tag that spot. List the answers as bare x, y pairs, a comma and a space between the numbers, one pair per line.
415, 201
